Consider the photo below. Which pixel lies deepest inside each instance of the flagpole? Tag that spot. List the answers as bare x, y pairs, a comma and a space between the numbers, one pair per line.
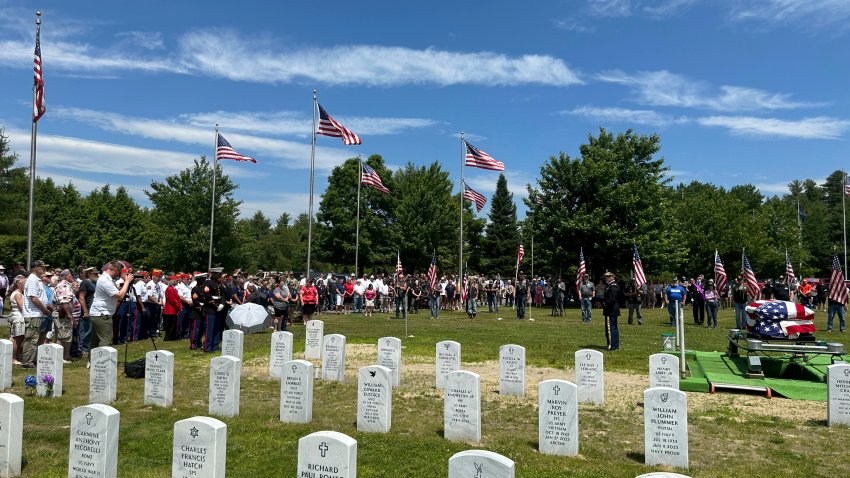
357, 233
32, 155
799, 225
312, 172
844, 217
212, 208
460, 259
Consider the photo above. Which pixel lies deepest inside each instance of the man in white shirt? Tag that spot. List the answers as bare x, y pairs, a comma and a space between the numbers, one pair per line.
106, 298
154, 299
138, 318
37, 309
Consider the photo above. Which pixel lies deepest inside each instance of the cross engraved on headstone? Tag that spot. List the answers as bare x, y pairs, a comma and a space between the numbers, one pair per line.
446, 345
664, 397
587, 356
511, 350
389, 342
847, 372
664, 360
294, 368
479, 469
193, 433
556, 389
323, 448
88, 419
156, 357
100, 354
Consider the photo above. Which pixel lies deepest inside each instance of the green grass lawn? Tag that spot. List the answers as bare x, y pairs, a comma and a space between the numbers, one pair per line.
725, 439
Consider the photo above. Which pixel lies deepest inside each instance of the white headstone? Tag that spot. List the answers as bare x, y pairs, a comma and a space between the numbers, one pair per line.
199, 448
663, 371
389, 355
374, 399
558, 418
232, 342
327, 454
11, 434
662, 474
281, 352
5, 364
94, 442
665, 424
159, 378
838, 394
448, 360
512, 370
333, 358
313, 339
480, 464
296, 392
103, 375
462, 407
590, 376
49, 363
225, 372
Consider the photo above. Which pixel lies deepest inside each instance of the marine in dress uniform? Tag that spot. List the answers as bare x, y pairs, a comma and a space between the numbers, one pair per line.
213, 301
197, 315
611, 310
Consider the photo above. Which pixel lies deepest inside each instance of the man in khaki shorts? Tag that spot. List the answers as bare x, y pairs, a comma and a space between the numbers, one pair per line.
63, 296
106, 298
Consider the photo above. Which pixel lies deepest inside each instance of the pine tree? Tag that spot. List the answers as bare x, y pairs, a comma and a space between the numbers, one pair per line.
502, 239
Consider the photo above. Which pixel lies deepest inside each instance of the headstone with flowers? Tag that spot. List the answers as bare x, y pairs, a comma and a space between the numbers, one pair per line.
49, 370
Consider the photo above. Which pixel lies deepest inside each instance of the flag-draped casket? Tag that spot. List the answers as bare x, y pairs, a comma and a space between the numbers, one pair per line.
780, 319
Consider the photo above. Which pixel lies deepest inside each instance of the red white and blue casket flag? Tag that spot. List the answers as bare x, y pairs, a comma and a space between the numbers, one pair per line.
779, 318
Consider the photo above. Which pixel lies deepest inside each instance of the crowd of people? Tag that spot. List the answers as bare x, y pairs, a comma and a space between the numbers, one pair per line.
114, 304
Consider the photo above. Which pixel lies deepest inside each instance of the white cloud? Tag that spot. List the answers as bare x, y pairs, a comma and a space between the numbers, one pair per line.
226, 53
145, 40
663, 88
808, 128
85, 186
623, 115
486, 183
610, 8
799, 13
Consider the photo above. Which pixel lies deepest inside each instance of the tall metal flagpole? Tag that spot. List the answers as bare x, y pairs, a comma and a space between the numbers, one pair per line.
212, 209
460, 260
32, 156
357, 234
844, 216
312, 172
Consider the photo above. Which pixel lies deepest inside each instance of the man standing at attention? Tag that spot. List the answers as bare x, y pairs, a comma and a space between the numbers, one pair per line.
587, 292
36, 309
611, 309
672, 295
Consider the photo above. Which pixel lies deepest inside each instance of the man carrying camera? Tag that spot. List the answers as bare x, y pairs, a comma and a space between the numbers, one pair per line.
106, 298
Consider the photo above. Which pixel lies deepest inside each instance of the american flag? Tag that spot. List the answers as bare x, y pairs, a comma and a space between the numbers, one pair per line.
225, 151
750, 278
432, 272
789, 269
398, 269
720, 278
479, 159
329, 127
778, 318
38, 107
371, 178
520, 253
464, 289
474, 196
582, 269
837, 287
846, 185
638, 268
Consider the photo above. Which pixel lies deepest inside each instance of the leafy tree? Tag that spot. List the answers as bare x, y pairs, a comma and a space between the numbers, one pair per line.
502, 240
181, 219
14, 188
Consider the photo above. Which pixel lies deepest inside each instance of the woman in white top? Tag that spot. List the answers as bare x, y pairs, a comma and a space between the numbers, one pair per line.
17, 327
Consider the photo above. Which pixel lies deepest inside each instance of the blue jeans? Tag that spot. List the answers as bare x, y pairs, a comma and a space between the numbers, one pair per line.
401, 305
85, 333
434, 304
741, 316
491, 303
671, 309
586, 308
833, 309
635, 308
520, 306
358, 303
711, 312
122, 318
471, 306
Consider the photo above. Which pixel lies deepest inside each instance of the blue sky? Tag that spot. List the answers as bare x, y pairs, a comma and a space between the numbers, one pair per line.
739, 90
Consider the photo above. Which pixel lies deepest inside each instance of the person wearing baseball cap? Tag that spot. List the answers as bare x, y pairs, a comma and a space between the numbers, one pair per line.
674, 294
611, 311
37, 311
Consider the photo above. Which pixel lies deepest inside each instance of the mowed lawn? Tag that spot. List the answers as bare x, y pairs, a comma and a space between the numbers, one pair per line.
726, 438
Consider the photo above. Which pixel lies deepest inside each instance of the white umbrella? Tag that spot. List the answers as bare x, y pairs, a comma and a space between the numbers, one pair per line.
250, 318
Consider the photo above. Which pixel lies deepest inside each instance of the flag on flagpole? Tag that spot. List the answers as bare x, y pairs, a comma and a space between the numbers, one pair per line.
432, 272
38, 107
720, 278
789, 269
479, 159
846, 185
398, 269
582, 270
474, 196
371, 178
638, 268
837, 287
330, 127
750, 278
520, 253
226, 151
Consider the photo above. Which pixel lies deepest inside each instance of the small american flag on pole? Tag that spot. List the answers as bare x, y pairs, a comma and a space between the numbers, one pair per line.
371, 178
330, 127
432, 272
789, 269
837, 287
520, 253
226, 151
582, 269
750, 278
399, 271
479, 159
720, 278
846, 185
474, 196
640, 278
38, 106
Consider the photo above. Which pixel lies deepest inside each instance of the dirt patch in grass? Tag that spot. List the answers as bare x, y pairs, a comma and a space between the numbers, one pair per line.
623, 391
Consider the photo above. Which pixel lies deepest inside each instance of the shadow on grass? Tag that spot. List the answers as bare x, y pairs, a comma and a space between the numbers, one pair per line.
534, 444
637, 456
594, 347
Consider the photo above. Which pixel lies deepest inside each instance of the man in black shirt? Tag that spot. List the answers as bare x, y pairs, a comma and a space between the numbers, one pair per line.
781, 290
611, 310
